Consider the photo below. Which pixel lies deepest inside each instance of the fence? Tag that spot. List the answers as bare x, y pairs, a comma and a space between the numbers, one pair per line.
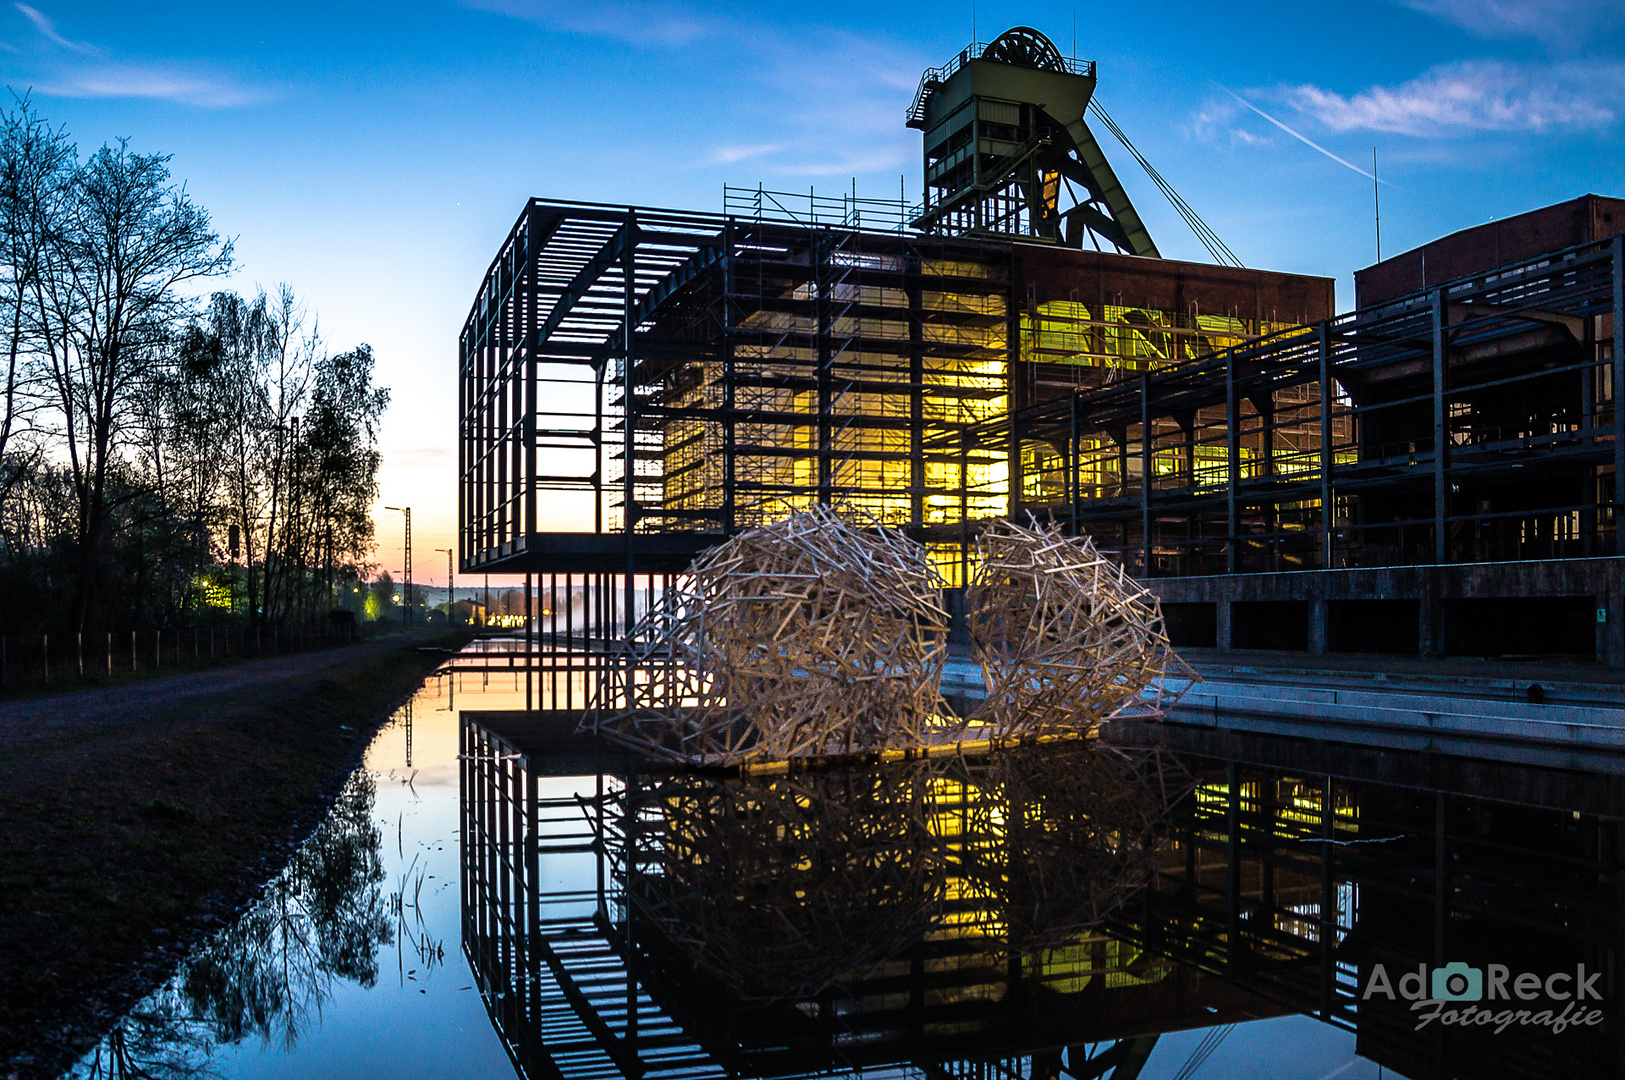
45, 661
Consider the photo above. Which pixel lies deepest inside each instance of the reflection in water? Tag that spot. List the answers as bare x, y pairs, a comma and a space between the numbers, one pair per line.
1296, 885
939, 915
1076, 912
322, 919
1044, 912
782, 885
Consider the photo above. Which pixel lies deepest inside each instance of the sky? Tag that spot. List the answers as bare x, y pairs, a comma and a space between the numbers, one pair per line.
375, 156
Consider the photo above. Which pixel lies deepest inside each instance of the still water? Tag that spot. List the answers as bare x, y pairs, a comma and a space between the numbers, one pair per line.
486, 902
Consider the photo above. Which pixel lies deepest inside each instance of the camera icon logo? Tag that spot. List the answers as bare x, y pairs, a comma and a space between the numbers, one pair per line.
1457, 982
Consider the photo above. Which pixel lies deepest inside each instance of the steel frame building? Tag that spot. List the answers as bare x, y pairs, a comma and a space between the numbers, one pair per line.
788, 354
1470, 422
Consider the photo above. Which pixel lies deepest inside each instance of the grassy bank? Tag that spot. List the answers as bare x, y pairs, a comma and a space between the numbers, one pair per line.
120, 843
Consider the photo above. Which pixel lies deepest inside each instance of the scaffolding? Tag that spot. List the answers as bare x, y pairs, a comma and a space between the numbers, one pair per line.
677, 377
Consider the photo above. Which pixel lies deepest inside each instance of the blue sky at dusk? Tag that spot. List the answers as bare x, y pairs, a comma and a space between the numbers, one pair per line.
374, 156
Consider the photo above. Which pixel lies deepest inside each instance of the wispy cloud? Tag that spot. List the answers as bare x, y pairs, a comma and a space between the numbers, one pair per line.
75, 69
1477, 96
651, 23
1300, 136
134, 81
1219, 117
48, 31
1555, 22
811, 100
728, 155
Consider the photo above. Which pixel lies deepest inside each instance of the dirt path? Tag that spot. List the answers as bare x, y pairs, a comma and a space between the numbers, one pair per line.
82, 712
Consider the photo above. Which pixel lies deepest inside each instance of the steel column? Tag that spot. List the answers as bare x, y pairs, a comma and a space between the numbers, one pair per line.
1232, 439
1441, 548
1619, 393
629, 408
1145, 469
1327, 518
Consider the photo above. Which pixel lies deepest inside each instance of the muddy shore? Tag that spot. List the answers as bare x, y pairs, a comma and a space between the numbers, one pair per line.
135, 819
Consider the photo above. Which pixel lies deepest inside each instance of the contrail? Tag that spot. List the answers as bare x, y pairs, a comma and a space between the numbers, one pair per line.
1306, 140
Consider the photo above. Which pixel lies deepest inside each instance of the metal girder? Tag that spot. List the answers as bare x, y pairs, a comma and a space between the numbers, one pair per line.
587, 277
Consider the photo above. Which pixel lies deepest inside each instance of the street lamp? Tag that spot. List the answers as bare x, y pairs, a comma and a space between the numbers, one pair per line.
407, 510
451, 585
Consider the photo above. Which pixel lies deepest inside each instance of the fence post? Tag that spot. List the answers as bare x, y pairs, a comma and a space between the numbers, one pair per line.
45, 657
110, 654
157, 649
197, 654
80, 645
132, 651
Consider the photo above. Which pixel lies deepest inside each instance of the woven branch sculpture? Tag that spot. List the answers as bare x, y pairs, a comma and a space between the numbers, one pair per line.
1064, 636
810, 636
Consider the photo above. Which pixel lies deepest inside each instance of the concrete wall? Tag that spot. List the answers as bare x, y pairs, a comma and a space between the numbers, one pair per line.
1448, 610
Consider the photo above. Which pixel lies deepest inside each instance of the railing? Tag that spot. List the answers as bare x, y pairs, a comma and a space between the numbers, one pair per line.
933, 78
845, 211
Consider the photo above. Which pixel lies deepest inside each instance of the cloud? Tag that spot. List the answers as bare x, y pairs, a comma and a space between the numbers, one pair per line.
48, 30
812, 100
135, 81
88, 73
1476, 96
1555, 22
649, 23
728, 155
1221, 117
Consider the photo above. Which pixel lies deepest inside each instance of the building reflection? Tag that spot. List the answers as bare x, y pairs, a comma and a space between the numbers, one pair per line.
1043, 913
943, 917
1297, 867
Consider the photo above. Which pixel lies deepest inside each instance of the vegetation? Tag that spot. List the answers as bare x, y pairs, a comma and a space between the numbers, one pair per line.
167, 458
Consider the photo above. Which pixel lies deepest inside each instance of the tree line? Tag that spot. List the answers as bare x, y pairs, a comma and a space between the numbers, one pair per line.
168, 456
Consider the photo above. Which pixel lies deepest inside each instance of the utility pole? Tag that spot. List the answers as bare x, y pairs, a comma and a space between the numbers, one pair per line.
451, 584
407, 572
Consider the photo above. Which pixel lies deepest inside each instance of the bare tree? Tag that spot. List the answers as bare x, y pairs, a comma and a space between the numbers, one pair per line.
107, 297
35, 169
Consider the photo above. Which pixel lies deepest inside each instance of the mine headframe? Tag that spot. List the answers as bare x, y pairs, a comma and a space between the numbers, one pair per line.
1007, 151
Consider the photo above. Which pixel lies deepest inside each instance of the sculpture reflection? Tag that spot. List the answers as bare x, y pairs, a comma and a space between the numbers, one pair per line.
1041, 913
940, 913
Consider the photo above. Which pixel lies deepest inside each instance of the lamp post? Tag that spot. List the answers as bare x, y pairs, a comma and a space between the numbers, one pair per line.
451, 585
407, 510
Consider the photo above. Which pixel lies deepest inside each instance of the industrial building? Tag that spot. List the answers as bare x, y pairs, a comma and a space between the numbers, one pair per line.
1435, 472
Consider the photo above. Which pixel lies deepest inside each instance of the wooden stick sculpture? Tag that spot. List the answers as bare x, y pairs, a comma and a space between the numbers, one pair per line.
815, 637
810, 636
1064, 636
